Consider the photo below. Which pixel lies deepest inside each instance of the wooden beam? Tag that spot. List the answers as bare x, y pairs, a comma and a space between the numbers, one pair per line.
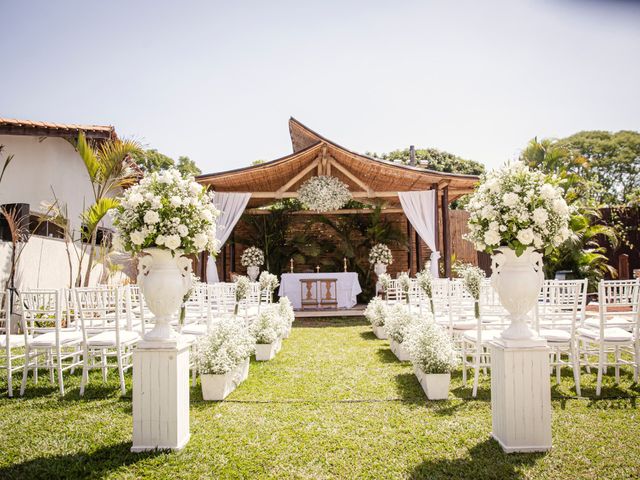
446, 232
280, 192
346, 211
352, 177
437, 215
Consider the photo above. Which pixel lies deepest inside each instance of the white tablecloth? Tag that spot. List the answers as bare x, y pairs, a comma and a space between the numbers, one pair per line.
347, 284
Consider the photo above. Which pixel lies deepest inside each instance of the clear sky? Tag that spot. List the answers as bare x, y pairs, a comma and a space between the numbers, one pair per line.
217, 81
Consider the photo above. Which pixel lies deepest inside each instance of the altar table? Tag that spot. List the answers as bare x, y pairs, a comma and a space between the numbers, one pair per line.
348, 287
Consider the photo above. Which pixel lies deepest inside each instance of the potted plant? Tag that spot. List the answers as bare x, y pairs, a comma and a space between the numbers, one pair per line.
398, 321
376, 313
266, 330
286, 313
515, 214
431, 352
253, 259
380, 257
222, 358
165, 217
268, 283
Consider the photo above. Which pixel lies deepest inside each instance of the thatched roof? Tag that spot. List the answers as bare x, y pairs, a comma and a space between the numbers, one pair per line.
368, 178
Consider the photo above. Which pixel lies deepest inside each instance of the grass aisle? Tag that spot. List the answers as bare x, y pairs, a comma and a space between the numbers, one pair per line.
334, 403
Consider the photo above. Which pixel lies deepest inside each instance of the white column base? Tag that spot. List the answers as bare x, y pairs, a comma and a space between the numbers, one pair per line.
160, 396
521, 396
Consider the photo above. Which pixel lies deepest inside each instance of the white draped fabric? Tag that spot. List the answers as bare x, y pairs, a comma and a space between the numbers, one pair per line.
419, 207
231, 206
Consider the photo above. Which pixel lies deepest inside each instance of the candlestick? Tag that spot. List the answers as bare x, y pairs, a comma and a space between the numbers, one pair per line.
291, 263
317, 268
344, 261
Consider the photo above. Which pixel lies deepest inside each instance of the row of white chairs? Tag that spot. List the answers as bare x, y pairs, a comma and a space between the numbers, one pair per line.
98, 327
607, 336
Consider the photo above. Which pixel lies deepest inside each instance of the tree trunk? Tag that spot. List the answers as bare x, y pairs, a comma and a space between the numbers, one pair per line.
92, 249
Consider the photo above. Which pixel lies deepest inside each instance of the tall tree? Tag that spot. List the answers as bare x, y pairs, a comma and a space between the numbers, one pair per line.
434, 159
152, 160
186, 166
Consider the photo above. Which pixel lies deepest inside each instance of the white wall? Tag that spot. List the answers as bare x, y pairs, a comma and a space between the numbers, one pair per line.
40, 164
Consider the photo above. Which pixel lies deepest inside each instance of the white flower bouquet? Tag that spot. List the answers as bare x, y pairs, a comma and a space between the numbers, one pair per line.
252, 257
518, 208
167, 211
226, 346
376, 312
399, 321
385, 281
268, 282
324, 193
285, 311
404, 282
267, 327
472, 277
243, 285
380, 253
430, 348
425, 282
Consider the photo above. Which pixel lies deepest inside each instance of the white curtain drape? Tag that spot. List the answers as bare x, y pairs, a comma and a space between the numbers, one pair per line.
231, 206
419, 207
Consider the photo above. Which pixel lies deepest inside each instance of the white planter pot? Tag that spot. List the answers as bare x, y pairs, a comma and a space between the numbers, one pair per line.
287, 332
518, 281
435, 385
399, 351
266, 351
218, 387
253, 272
379, 332
164, 279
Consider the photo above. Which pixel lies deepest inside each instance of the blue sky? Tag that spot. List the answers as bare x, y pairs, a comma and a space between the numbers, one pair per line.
217, 81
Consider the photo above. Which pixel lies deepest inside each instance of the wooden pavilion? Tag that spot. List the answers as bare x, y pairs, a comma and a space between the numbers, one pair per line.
370, 181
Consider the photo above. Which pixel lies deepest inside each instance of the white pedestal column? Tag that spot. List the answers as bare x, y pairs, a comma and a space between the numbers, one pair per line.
160, 396
521, 395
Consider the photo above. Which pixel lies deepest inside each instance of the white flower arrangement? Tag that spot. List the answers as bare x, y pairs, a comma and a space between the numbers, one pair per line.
380, 253
226, 346
518, 208
472, 277
399, 320
252, 257
385, 281
268, 281
243, 285
404, 282
324, 193
425, 282
167, 211
267, 327
285, 311
430, 348
376, 312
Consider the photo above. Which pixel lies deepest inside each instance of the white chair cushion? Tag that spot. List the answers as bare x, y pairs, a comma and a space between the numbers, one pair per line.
555, 335
472, 335
108, 338
465, 325
613, 334
195, 329
49, 339
618, 321
16, 340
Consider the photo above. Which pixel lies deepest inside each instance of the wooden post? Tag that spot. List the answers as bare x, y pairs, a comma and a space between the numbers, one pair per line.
418, 266
623, 267
233, 252
436, 208
224, 263
409, 256
446, 232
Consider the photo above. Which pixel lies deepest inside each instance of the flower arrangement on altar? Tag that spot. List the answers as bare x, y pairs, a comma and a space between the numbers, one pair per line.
399, 320
380, 253
324, 193
227, 345
167, 211
430, 348
376, 312
252, 257
517, 207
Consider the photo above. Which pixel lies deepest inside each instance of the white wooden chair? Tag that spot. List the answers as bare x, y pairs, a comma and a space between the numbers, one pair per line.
46, 336
9, 341
618, 329
106, 333
557, 317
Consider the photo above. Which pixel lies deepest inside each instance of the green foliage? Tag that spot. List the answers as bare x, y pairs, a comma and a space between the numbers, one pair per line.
434, 159
153, 161
6, 163
188, 167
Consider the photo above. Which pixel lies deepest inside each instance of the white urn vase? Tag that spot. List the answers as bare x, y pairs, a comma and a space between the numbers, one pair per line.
380, 268
518, 281
164, 279
252, 272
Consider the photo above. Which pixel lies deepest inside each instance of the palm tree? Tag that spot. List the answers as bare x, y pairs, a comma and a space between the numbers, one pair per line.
110, 169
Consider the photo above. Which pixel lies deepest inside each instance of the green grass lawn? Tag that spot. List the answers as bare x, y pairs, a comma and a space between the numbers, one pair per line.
334, 403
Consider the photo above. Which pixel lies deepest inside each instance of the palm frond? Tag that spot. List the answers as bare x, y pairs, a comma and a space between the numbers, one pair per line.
6, 163
92, 216
88, 156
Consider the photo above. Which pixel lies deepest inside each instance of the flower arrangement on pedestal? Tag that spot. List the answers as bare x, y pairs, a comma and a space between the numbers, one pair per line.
165, 216
514, 214
380, 254
324, 193
253, 259
222, 358
433, 356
